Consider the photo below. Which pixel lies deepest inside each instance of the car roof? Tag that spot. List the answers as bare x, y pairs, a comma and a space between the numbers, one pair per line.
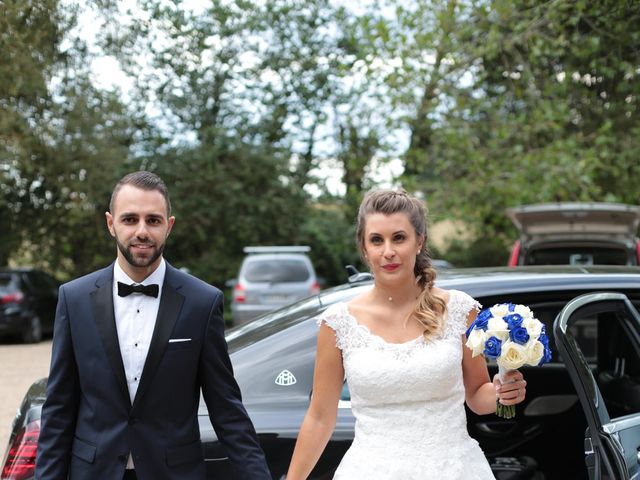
617, 221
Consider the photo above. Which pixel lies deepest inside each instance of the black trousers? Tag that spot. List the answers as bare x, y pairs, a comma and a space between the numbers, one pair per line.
130, 475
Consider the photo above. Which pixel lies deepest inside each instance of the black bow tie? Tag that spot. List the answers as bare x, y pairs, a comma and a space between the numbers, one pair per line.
125, 290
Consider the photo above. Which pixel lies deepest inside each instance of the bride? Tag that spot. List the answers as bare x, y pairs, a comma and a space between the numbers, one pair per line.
401, 348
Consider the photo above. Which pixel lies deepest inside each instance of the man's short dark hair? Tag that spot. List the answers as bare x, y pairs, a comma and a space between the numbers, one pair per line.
145, 181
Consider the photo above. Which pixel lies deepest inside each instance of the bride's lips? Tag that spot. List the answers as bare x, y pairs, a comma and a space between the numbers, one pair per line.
390, 267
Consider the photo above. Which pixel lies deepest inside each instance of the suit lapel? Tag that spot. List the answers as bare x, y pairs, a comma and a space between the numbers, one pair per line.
102, 305
168, 311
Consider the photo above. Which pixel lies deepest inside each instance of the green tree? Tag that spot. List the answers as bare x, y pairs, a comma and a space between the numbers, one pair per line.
62, 141
547, 111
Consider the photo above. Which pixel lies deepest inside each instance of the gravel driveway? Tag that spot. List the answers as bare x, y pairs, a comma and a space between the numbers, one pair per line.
20, 366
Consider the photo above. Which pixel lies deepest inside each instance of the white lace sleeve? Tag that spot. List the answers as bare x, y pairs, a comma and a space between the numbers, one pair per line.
460, 305
335, 319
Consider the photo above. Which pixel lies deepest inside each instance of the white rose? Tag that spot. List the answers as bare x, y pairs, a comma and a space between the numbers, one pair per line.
497, 327
476, 341
499, 311
512, 356
535, 351
533, 326
524, 311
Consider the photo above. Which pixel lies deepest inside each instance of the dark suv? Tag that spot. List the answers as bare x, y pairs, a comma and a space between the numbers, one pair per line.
28, 300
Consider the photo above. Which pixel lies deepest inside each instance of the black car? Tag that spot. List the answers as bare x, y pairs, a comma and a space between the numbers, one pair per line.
581, 417
28, 300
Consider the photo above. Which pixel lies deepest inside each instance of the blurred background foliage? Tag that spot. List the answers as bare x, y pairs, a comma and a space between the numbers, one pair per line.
242, 107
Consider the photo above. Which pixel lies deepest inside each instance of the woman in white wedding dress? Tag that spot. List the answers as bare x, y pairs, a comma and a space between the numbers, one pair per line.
401, 348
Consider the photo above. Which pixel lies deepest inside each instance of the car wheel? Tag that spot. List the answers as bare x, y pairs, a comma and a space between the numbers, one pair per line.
33, 330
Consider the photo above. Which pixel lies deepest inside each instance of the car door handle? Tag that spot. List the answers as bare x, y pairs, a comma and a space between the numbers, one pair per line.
497, 429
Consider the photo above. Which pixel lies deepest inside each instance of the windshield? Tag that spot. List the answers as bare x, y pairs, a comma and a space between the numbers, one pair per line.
272, 322
276, 270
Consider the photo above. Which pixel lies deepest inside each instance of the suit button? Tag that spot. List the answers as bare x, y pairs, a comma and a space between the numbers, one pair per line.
122, 458
132, 420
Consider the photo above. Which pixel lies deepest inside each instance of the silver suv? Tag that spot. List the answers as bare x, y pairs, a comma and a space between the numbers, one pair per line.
271, 277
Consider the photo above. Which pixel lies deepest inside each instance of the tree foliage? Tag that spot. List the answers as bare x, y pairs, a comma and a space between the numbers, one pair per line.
238, 105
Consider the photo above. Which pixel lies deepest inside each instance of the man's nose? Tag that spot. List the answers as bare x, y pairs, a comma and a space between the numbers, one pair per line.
141, 231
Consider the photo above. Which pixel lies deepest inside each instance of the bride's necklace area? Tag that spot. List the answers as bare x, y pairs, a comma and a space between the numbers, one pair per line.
389, 297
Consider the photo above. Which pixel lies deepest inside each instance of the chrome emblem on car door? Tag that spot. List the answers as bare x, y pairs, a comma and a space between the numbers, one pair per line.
285, 379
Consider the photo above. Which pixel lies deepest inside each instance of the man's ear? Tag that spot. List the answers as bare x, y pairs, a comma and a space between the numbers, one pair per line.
109, 218
170, 221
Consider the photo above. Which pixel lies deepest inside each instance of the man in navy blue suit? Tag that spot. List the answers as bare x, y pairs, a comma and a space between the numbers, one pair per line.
133, 346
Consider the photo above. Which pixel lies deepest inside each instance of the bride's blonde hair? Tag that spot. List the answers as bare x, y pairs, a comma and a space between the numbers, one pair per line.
430, 309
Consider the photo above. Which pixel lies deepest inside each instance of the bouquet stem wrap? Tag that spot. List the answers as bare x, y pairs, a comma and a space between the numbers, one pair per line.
504, 411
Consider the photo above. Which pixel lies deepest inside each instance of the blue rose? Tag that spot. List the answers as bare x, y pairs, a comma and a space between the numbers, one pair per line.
547, 355
514, 320
544, 340
482, 320
519, 335
511, 307
492, 348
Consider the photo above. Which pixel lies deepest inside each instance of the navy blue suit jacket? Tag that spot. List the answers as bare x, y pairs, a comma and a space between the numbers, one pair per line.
89, 425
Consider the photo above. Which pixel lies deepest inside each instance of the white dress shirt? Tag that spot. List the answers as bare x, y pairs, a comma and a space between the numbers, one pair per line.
135, 321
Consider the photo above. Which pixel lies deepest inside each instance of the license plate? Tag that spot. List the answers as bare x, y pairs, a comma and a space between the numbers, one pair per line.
275, 298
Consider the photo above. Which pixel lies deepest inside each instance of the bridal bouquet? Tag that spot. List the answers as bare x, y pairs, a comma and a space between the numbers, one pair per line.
513, 337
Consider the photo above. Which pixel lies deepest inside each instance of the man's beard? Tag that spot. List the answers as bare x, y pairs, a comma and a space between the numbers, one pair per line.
139, 262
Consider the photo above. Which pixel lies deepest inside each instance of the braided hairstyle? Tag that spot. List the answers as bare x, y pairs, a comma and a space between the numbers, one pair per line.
430, 309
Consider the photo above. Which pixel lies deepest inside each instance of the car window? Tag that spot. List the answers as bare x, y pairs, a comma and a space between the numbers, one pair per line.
273, 322
276, 270
577, 256
612, 353
7, 285
41, 281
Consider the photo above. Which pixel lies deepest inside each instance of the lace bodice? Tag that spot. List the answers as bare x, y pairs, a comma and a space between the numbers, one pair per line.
408, 401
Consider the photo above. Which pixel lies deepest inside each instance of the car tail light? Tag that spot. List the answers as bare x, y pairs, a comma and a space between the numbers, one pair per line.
637, 252
15, 297
315, 288
239, 294
515, 253
21, 456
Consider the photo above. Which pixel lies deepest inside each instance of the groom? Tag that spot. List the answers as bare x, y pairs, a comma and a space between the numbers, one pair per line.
133, 345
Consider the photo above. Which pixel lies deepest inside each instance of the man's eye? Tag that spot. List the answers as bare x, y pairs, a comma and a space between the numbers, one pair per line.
128, 220
153, 221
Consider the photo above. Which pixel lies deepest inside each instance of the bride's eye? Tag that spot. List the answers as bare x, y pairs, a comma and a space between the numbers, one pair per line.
399, 237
